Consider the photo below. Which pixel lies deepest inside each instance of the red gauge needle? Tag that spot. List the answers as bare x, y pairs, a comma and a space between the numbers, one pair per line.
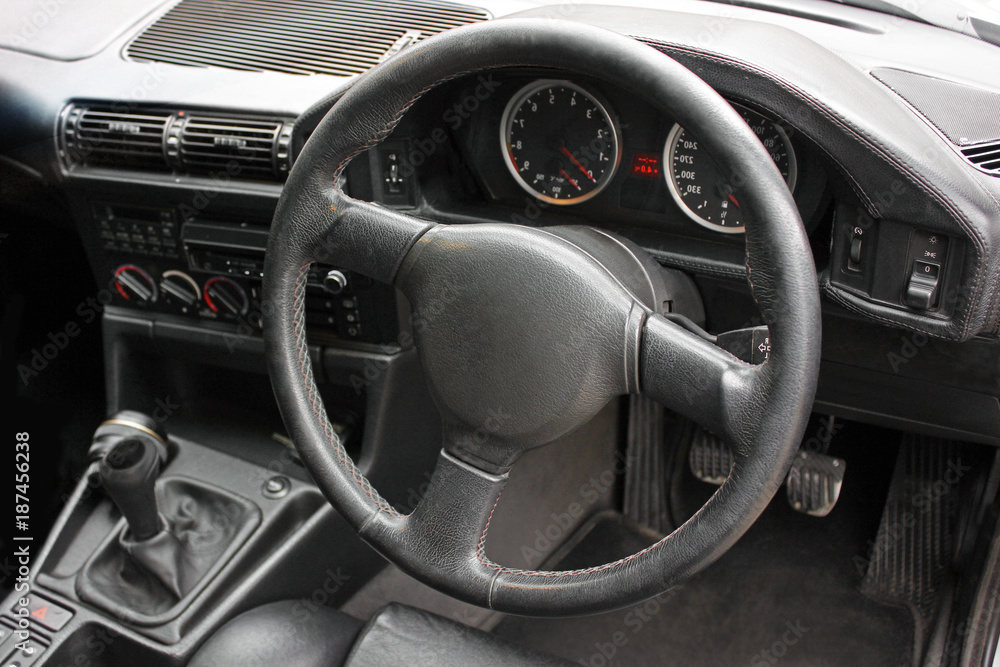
575, 184
733, 199
565, 151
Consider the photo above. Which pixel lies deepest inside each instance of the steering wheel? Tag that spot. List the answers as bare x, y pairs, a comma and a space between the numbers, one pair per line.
523, 336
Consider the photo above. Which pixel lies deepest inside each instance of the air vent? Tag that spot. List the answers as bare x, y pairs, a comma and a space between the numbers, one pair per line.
984, 156
156, 139
103, 136
234, 148
336, 37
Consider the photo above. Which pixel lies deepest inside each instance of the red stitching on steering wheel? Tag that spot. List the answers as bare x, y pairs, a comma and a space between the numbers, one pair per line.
305, 368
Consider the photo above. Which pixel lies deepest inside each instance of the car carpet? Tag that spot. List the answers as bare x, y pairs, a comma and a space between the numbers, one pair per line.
787, 593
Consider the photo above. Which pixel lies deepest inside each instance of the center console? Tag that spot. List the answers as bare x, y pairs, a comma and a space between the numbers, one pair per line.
231, 535
236, 521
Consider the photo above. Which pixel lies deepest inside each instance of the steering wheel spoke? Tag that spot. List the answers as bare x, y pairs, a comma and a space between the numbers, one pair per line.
697, 379
447, 529
364, 237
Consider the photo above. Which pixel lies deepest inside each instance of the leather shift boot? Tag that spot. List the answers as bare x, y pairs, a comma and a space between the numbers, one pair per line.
143, 581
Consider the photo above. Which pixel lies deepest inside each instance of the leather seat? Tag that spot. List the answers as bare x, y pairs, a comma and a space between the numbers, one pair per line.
286, 633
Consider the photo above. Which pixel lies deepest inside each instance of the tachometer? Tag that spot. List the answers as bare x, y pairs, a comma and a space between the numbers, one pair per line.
698, 185
559, 142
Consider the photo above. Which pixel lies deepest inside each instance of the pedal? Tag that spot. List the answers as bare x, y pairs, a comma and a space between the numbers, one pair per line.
911, 563
647, 478
814, 482
710, 458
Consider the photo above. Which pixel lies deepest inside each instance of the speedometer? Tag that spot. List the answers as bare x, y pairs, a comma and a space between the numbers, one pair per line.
559, 142
698, 185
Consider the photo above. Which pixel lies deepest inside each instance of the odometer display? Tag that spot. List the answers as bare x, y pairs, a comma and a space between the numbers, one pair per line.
559, 142
698, 185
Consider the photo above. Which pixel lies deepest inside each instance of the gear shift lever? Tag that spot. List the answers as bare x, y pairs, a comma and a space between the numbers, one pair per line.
178, 529
129, 472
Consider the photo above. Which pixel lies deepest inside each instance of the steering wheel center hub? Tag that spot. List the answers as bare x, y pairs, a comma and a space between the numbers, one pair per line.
520, 352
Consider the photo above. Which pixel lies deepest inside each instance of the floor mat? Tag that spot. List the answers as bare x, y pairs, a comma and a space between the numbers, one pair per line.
788, 593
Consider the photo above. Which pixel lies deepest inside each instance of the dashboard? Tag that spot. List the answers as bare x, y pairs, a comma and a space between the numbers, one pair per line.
170, 167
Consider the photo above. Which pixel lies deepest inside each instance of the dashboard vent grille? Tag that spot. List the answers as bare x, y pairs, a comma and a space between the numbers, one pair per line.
336, 37
984, 156
173, 140
237, 148
102, 136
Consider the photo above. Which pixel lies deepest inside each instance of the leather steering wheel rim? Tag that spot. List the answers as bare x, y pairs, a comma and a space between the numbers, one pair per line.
760, 410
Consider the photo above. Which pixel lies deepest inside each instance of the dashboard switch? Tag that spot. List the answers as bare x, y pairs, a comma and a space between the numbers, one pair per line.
855, 254
922, 287
393, 180
48, 614
335, 282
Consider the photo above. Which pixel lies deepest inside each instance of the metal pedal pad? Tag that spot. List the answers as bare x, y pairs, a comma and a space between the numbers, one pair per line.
710, 459
814, 482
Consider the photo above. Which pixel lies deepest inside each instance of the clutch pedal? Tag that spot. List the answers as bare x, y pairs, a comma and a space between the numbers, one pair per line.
814, 482
710, 459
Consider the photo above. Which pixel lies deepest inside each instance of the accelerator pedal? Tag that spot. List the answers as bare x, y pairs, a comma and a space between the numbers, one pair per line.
710, 458
814, 481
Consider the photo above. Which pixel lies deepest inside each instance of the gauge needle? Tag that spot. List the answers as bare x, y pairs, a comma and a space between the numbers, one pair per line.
575, 184
733, 199
565, 151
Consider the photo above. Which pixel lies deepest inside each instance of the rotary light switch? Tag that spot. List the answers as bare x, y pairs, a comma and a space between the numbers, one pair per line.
926, 258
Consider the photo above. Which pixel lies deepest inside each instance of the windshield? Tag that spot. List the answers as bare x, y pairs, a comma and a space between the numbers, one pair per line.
977, 18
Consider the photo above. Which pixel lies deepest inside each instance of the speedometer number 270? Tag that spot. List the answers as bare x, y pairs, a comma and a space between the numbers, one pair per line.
698, 185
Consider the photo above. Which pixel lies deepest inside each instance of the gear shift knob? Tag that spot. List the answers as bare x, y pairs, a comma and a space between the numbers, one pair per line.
129, 471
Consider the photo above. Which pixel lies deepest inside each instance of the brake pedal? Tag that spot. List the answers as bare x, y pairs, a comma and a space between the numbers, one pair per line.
814, 482
710, 458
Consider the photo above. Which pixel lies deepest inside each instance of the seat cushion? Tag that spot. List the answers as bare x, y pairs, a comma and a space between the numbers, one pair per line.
290, 632
400, 635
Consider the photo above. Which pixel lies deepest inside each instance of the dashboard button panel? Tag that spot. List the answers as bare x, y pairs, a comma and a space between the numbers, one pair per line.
212, 271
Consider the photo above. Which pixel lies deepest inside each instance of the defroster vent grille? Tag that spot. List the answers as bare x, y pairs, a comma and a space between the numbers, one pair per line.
985, 156
337, 37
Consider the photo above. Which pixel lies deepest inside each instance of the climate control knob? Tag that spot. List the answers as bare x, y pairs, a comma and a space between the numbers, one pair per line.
225, 297
179, 289
135, 285
334, 282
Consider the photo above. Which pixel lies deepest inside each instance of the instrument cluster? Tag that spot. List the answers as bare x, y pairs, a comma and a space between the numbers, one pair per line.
584, 149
